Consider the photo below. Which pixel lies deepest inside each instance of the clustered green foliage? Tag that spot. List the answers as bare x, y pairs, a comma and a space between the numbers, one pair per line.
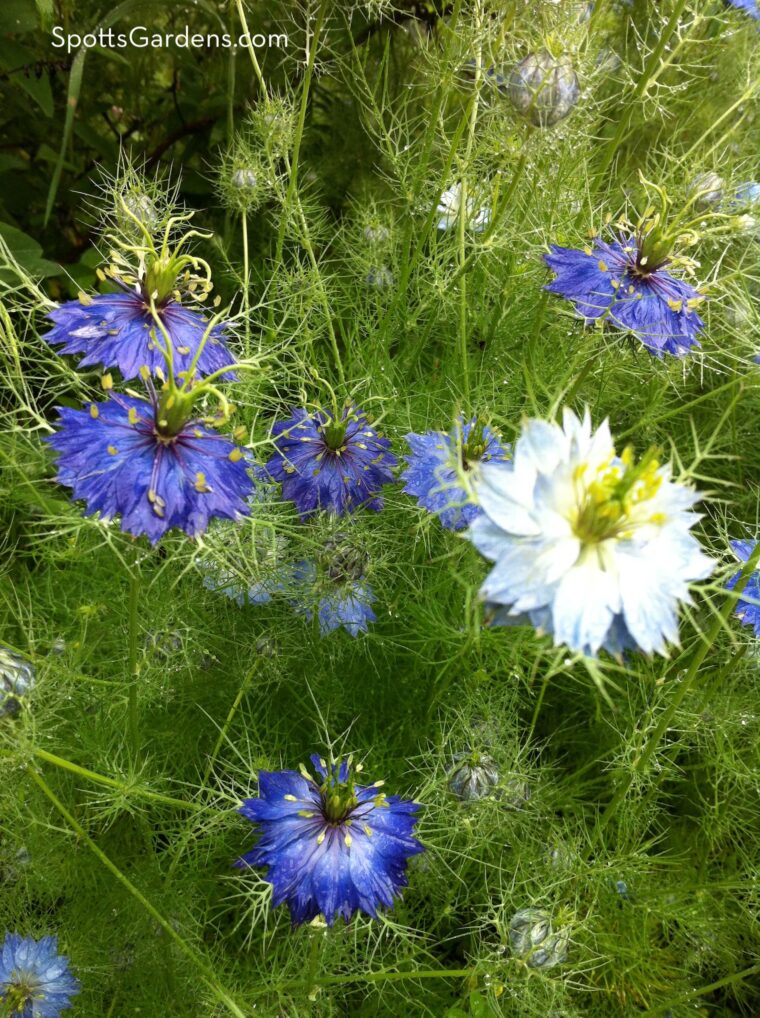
627, 800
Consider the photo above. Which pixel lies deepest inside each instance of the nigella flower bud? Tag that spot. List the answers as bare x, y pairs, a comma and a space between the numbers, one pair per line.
607, 60
707, 189
167, 646
380, 278
376, 233
544, 88
244, 179
16, 679
621, 888
534, 941
516, 792
473, 776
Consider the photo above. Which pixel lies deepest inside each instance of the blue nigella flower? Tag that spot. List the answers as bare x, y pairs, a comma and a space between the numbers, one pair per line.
750, 7
432, 474
118, 459
221, 580
35, 981
117, 330
747, 193
613, 281
350, 608
329, 462
747, 612
332, 847
338, 597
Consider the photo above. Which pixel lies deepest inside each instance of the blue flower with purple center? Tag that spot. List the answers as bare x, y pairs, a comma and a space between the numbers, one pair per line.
615, 281
117, 330
336, 463
332, 847
747, 611
118, 457
433, 474
35, 981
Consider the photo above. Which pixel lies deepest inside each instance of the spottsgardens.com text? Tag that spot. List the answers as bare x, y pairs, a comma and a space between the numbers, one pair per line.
141, 37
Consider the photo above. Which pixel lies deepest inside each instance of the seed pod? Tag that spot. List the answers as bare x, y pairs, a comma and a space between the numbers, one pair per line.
534, 941
16, 679
342, 560
133, 205
544, 88
473, 776
244, 179
553, 951
707, 189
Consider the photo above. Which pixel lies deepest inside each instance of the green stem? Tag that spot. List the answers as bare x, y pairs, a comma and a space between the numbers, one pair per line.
538, 322
189, 834
244, 687
462, 224
679, 695
102, 779
727, 669
207, 973
502, 205
251, 50
308, 247
735, 977
683, 407
377, 977
133, 667
464, 359
641, 87
298, 138
246, 285
315, 952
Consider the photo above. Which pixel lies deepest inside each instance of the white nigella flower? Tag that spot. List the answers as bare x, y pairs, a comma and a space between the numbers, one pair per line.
450, 205
587, 545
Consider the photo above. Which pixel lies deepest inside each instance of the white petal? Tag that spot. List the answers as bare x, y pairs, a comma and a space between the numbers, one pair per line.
585, 604
543, 445
506, 498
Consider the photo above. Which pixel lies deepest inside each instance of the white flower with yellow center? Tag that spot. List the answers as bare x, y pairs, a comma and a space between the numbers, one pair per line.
588, 545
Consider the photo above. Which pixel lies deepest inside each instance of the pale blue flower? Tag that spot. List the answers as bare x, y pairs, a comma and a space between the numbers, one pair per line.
587, 546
